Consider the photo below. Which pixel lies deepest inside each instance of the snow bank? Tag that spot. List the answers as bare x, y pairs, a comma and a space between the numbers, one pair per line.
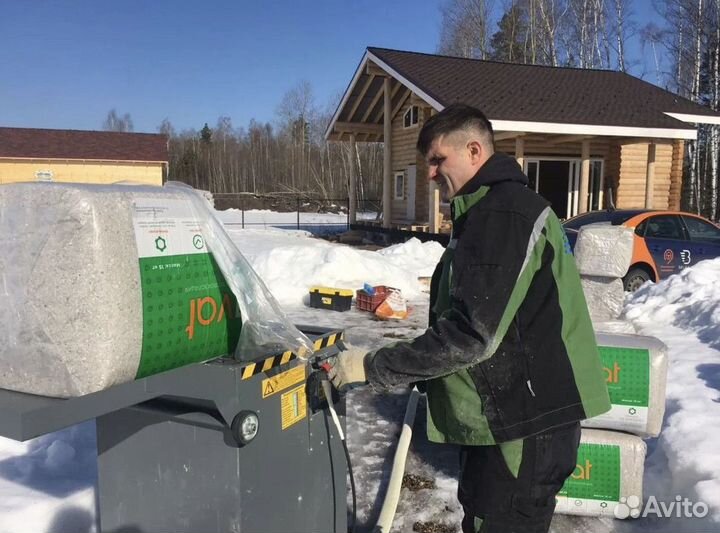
688, 300
291, 262
674, 309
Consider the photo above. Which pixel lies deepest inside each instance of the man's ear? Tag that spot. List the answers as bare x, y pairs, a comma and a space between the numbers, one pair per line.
477, 152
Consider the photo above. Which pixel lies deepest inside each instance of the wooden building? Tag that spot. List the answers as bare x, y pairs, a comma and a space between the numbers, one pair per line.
587, 139
82, 156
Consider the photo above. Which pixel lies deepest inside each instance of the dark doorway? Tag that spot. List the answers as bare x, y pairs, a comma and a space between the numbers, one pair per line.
553, 185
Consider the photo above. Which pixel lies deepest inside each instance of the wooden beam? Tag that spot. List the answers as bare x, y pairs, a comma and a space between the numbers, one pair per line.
372, 105
563, 139
400, 103
352, 201
362, 94
387, 155
584, 178
650, 179
505, 135
358, 127
392, 95
373, 70
520, 151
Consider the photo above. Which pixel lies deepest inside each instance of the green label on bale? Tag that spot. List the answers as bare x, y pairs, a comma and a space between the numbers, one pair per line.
189, 312
596, 475
627, 373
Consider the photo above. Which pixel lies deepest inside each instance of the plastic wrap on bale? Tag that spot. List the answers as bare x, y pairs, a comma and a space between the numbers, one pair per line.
103, 284
604, 250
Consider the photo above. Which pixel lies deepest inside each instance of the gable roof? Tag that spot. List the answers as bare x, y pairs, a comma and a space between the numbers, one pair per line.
78, 144
530, 98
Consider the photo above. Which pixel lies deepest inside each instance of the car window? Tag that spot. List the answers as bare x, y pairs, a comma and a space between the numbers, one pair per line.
640, 229
700, 230
588, 218
664, 227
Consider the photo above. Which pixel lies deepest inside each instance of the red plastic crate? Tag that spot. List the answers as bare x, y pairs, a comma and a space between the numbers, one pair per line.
365, 302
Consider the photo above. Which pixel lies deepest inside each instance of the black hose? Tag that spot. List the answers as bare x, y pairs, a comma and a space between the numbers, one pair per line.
351, 528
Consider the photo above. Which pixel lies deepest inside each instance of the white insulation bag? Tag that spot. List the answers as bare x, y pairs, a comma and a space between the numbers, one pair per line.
604, 250
636, 375
103, 284
610, 468
605, 297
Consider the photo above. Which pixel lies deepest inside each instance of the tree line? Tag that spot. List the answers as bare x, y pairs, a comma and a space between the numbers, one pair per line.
291, 154
685, 49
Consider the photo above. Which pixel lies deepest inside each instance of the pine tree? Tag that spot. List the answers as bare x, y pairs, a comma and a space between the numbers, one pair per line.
507, 43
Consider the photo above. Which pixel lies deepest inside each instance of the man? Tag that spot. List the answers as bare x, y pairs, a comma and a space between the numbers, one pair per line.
509, 361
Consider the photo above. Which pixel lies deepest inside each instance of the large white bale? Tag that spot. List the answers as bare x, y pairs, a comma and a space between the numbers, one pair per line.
605, 297
636, 375
614, 326
103, 284
609, 471
604, 250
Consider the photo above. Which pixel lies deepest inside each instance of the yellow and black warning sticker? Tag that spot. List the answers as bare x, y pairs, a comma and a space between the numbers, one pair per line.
283, 380
293, 406
253, 369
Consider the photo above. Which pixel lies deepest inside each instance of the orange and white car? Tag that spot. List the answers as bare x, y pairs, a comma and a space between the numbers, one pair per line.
665, 241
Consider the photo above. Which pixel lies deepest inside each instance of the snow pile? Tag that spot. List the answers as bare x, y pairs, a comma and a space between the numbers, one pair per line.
688, 302
291, 262
414, 256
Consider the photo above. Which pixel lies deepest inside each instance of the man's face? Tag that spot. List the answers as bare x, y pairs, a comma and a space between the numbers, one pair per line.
451, 165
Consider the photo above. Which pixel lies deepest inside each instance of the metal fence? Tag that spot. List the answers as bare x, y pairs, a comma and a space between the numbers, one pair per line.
319, 216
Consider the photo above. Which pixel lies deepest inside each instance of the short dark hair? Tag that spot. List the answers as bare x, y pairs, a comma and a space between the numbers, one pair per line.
453, 118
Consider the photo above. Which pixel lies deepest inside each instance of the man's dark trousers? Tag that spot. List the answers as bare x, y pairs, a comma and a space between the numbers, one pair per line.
495, 501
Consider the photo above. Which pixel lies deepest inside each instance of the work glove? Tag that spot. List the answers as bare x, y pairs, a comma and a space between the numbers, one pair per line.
349, 369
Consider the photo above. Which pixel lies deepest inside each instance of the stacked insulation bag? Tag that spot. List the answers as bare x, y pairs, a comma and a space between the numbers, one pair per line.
603, 253
610, 464
104, 284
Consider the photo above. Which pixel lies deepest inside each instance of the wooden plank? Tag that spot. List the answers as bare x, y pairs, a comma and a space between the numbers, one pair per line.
373, 70
356, 127
360, 96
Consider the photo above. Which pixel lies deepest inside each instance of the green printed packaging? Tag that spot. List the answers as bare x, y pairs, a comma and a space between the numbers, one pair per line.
636, 373
609, 469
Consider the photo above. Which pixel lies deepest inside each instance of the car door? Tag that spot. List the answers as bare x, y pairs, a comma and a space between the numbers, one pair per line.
704, 238
668, 245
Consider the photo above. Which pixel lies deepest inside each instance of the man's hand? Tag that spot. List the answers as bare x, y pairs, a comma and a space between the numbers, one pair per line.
349, 369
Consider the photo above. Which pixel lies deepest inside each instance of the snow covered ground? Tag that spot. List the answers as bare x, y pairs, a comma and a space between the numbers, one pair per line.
48, 484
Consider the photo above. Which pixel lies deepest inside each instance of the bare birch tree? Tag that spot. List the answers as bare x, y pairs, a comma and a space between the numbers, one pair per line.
465, 28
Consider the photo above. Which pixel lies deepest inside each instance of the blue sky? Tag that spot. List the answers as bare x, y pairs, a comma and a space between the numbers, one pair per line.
66, 64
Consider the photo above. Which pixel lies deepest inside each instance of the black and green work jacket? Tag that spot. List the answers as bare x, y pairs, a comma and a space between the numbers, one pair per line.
510, 350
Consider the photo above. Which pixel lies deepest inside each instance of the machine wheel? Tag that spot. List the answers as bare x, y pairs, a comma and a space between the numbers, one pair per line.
635, 278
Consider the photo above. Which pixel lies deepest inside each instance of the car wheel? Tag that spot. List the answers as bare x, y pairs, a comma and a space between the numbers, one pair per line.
635, 278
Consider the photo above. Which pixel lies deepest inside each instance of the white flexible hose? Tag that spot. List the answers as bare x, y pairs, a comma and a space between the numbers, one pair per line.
392, 496
327, 389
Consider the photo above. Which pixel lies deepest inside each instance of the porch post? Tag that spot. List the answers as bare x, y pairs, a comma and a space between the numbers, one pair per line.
520, 151
433, 207
584, 178
387, 161
650, 178
352, 199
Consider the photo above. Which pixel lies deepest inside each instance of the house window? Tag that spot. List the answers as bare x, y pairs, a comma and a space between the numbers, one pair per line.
400, 186
411, 116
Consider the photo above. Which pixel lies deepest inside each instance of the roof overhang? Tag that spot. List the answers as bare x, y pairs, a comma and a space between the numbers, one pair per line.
694, 119
591, 129
527, 126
